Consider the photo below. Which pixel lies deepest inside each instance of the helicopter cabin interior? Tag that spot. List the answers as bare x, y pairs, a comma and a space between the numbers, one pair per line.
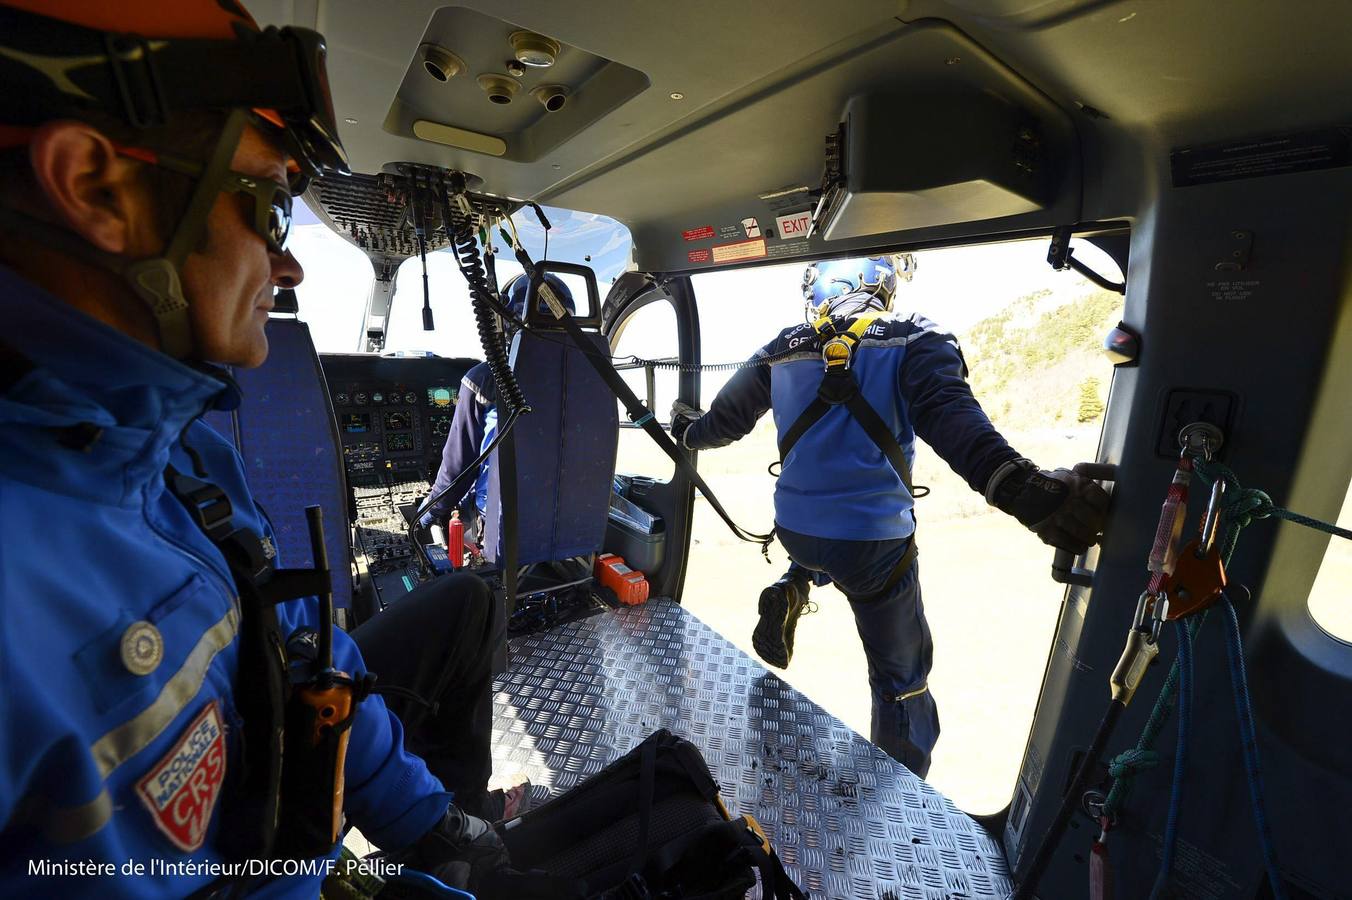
1204, 147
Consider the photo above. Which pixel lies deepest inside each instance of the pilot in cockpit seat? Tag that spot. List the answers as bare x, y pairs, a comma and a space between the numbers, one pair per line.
851, 390
153, 649
475, 423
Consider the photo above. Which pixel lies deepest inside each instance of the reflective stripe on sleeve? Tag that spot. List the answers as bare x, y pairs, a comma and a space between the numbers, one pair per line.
68, 824
131, 737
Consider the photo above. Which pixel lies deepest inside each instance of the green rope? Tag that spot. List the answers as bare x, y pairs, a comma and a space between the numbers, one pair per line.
1240, 506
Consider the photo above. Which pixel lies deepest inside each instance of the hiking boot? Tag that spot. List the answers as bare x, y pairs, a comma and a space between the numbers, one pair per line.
780, 606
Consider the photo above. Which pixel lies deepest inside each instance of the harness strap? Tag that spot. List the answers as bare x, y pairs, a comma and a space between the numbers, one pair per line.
261, 685
13, 366
840, 388
898, 572
262, 688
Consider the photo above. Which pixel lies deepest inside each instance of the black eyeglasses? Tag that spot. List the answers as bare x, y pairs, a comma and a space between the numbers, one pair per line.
271, 206
271, 200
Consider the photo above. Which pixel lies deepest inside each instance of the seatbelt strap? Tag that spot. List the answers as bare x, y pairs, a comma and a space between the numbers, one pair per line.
507, 513
13, 366
641, 416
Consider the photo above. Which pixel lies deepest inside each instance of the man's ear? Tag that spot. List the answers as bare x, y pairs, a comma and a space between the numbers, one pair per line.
88, 188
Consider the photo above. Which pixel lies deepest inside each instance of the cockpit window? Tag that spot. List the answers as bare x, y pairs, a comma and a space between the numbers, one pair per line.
338, 281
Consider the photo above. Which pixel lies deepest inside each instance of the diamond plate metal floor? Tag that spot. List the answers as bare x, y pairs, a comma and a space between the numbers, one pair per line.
847, 820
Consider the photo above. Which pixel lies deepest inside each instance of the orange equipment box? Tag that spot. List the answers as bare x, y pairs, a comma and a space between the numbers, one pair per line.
629, 586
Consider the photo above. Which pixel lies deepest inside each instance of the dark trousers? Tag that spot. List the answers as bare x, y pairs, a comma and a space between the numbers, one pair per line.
896, 637
438, 641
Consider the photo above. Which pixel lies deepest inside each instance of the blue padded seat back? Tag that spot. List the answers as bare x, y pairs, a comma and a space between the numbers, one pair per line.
565, 452
285, 432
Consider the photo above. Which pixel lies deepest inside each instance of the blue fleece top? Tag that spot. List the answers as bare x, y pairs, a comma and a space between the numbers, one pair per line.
94, 543
836, 483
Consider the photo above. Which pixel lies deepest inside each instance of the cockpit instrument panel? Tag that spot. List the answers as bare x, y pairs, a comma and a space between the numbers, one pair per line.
393, 413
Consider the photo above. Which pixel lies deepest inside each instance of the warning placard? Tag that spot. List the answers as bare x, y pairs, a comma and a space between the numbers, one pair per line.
1309, 151
698, 256
740, 250
794, 225
703, 233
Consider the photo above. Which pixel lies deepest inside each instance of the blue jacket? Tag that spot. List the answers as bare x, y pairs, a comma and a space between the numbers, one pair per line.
836, 483
98, 763
472, 427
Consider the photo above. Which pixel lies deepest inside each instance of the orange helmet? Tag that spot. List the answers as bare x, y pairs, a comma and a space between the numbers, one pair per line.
142, 61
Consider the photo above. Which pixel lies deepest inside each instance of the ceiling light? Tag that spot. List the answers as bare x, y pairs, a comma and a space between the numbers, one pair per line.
677, 95
533, 49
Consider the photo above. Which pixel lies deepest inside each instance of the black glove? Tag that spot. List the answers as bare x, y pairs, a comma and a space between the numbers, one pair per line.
683, 415
1065, 510
461, 851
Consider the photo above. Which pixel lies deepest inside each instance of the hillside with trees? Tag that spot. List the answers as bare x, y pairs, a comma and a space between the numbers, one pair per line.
1038, 363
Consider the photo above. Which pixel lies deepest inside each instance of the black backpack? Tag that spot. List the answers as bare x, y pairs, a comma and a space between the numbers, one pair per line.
649, 825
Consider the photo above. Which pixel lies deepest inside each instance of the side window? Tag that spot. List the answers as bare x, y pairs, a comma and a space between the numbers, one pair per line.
1333, 585
1031, 338
650, 334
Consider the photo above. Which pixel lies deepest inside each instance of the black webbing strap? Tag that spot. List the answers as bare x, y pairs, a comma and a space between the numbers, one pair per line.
258, 806
260, 685
13, 366
507, 533
647, 781
641, 416
903, 565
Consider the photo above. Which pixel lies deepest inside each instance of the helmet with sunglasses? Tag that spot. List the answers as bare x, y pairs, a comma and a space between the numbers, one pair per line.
848, 286
141, 62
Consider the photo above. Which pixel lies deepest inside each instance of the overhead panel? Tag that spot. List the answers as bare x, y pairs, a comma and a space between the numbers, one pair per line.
485, 85
733, 187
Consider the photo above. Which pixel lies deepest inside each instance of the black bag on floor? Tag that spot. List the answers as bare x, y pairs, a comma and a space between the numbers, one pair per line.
649, 825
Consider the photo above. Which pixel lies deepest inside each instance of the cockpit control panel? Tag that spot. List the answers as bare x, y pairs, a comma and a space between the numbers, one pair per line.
393, 413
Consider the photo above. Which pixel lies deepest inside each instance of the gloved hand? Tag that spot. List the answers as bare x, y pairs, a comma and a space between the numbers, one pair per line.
461, 851
1065, 510
683, 415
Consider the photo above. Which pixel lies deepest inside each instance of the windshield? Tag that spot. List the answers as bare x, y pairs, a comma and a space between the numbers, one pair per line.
338, 280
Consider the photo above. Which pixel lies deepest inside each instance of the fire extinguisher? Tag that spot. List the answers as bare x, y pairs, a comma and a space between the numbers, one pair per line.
455, 540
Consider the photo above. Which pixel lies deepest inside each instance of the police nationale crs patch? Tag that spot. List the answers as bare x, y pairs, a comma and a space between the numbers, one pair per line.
181, 790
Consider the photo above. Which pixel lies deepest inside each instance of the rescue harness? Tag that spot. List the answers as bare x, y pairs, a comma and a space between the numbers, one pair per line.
840, 338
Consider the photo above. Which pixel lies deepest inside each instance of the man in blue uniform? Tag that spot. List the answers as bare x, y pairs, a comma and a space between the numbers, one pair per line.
475, 422
844, 506
143, 213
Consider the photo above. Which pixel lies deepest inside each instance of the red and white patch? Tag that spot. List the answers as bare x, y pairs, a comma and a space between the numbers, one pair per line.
181, 790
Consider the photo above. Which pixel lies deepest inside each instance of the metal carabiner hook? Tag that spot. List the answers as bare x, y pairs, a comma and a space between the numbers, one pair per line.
1211, 521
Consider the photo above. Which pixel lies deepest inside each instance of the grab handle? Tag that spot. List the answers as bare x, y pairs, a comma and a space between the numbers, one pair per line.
1064, 570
